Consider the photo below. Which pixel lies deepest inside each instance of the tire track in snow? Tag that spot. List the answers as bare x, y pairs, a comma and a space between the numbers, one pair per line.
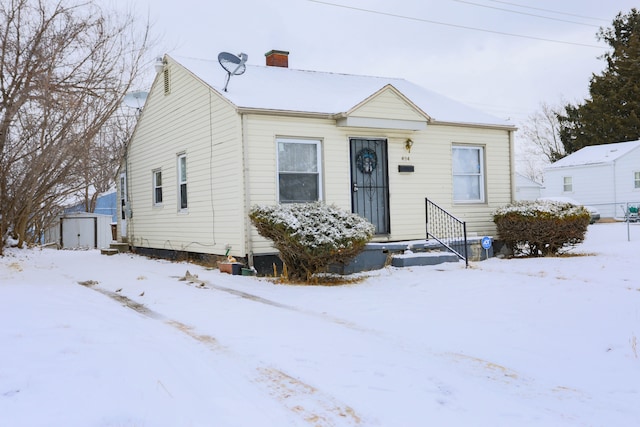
315, 407
483, 369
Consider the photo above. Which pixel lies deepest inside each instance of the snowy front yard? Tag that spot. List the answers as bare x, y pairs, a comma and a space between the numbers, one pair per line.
528, 342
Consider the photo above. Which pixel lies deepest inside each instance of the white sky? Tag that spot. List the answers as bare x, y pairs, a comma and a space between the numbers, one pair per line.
506, 76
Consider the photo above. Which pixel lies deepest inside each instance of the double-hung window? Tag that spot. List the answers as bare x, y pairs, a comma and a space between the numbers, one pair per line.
299, 166
567, 184
157, 187
182, 182
636, 180
468, 173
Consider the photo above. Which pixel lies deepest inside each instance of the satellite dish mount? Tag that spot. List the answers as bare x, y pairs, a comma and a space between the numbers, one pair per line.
234, 65
136, 100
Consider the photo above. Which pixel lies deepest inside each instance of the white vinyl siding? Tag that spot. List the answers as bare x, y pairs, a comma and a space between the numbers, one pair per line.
195, 121
388, 104
431, 154
299, 178
468, 173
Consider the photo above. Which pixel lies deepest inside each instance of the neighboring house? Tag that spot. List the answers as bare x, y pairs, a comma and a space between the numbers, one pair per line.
106, 204
526, 188
605, 176
201, 157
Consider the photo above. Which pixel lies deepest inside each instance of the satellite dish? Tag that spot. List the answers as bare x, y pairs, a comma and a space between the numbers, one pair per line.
135, 99
234, 65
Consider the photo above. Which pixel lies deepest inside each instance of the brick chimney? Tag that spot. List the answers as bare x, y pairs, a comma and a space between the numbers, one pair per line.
277, 58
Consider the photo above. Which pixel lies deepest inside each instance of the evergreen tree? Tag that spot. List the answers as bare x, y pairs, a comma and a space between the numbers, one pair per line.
611, 115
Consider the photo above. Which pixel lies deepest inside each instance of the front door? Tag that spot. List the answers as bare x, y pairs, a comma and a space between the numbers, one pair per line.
370, 181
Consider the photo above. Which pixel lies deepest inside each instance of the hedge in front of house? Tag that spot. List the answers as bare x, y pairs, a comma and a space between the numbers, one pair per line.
311, 236
541, 228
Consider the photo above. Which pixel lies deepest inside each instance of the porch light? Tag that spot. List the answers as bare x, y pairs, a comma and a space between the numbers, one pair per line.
408, 144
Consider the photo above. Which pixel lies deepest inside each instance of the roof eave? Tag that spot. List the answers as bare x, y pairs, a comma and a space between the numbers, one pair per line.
287, 113
474, 125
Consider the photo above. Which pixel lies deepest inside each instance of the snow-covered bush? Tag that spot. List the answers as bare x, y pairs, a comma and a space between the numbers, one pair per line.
541, 228
311, 236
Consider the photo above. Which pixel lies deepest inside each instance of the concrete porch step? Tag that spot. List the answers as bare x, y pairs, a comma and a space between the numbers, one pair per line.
119, 246
423, 258
115, 248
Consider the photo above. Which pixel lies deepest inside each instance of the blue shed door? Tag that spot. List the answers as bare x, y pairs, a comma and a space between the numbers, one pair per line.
370, 181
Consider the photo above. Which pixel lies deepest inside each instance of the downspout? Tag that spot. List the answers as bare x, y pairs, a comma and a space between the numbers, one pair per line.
615, 189
248, 244
512, 173
127, 206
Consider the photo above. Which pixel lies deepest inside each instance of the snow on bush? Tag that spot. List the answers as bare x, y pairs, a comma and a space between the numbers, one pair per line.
311, 236
541, 228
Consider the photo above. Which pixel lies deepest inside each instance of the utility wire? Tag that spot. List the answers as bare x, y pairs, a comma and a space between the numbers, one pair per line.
525, 13
411, 18
549, 10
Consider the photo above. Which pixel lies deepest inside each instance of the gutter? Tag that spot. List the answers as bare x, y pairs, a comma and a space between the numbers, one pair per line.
336, 116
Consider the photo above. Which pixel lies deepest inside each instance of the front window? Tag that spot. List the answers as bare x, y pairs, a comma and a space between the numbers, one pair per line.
636, 180
182, 181
157, 187
468, 174
299, 170
567, 184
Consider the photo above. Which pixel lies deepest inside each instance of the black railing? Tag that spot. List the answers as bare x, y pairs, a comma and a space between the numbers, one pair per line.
447, 230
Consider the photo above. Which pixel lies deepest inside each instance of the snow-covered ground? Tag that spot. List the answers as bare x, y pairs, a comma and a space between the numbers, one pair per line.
522, 342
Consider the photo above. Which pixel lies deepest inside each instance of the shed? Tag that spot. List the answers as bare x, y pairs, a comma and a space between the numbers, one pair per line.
526, 188
80, 230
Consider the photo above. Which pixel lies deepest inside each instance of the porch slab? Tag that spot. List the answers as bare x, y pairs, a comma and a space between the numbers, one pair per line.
119, 246
108, 251
423, 258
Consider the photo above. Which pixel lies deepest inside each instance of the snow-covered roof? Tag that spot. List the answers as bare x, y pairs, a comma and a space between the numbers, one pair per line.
596, 154
523, 181
286, 89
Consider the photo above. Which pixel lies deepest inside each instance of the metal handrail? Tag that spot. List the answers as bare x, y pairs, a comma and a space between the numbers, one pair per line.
447, 230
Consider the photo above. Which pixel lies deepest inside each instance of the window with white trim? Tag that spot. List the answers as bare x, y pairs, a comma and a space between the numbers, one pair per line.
299, 169
567, 184
157, 187
182, 182
468, 173
636, 180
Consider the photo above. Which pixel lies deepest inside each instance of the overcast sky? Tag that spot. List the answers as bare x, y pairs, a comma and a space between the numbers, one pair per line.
504, 57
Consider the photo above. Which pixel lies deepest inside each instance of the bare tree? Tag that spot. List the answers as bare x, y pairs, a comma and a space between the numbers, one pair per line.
97, 166
542, 130
64, 69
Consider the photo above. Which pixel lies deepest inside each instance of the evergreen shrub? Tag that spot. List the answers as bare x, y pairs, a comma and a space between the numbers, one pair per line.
311, 236
541, 228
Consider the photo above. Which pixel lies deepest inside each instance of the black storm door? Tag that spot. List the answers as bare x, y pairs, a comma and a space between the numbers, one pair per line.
370, 181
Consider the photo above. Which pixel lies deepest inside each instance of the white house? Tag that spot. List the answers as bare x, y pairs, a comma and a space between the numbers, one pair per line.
202, 156
605, 176
526, 188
